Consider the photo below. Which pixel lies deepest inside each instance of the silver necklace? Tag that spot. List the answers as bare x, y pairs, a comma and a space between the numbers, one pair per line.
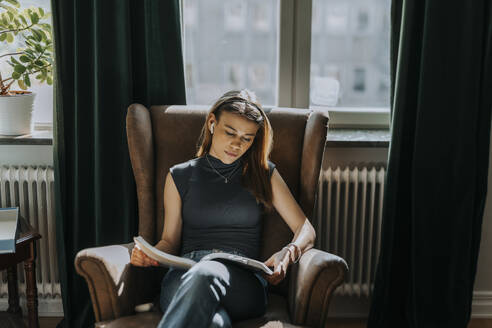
225, 178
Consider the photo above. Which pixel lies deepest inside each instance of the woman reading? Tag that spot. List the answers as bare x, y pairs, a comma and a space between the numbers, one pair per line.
214, 202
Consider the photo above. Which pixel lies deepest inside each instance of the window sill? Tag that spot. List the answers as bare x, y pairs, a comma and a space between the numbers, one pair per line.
42, 134
357, 117
368, 138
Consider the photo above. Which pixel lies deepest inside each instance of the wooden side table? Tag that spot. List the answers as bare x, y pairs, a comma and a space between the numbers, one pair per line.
25, 251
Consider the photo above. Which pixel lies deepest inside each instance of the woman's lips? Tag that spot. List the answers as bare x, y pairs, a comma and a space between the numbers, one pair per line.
232, 155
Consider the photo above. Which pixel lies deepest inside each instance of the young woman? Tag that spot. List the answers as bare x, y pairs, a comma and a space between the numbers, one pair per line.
214, 202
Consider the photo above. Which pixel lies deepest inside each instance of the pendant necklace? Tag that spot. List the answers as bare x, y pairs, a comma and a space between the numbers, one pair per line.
225, 178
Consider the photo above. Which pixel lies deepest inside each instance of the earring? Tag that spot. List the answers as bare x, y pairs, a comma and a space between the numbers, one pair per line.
212, 128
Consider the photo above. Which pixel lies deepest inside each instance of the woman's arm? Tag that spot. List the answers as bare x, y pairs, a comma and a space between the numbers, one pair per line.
292, 214
171, 233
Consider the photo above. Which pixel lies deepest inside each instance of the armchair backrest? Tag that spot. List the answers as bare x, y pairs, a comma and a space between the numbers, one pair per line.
166, 135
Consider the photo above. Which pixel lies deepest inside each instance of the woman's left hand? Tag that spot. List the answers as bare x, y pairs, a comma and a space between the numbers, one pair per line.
279, 261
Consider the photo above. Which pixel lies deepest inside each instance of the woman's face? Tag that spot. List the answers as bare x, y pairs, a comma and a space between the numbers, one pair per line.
233, 135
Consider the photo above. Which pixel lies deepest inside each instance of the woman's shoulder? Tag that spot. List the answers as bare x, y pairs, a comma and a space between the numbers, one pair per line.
188, 163
181, 173
184, 167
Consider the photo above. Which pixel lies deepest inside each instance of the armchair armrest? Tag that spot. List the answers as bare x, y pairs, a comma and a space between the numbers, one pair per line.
313, 280
114, 284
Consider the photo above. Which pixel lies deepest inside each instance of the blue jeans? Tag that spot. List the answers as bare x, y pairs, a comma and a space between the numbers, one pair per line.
211, 294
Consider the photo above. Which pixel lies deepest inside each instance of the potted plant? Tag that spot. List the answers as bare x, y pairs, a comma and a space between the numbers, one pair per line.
26, 52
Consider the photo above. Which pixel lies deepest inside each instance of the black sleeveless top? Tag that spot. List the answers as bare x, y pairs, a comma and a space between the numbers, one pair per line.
215, 214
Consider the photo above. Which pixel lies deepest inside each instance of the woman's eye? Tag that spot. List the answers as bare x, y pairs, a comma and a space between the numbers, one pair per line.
232, 134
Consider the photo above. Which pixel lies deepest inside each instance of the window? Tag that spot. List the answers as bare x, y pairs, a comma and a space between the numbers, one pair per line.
43, 101
230, 45
349, 53
324, 54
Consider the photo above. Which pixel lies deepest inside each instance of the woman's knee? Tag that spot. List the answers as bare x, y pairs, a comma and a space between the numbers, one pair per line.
207, 278
208, 272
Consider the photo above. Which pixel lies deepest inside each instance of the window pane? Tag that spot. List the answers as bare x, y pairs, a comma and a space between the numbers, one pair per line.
350, 53
43, 100
230, 44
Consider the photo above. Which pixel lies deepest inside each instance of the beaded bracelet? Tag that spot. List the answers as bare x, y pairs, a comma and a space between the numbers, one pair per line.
298, 251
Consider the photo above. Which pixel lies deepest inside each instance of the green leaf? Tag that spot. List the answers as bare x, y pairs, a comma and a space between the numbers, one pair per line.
43, 35
23, 19
12, 10
21, 84
40, 63
24, 59
37, 35
10, 38
38, 48
16, 75
14, 2
27, 81
3, 36
49, 80
15, 61
41, 11
34, 18
19, 69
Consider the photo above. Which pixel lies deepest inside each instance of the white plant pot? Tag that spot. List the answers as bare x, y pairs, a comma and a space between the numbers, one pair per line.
16, 114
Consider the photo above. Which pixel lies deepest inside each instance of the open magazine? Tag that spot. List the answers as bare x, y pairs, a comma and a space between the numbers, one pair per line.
169, 260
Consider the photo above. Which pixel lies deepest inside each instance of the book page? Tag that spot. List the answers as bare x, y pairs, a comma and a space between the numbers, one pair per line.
9, 218
163, 258
8, 222
246, 262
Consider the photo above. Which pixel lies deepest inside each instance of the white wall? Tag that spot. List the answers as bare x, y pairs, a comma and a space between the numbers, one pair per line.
26, 154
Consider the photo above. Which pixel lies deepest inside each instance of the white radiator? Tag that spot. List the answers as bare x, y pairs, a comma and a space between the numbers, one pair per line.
32, 190
348, 222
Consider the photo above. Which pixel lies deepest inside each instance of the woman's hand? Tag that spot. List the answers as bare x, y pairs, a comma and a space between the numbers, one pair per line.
279, 261
139, 258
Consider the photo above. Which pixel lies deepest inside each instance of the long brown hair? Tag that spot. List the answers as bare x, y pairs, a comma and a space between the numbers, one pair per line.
255, 175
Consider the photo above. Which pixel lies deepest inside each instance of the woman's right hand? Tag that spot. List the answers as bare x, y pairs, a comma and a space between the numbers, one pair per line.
139, 258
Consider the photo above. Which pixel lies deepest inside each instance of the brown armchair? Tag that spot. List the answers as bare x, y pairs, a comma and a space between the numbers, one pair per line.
167, 135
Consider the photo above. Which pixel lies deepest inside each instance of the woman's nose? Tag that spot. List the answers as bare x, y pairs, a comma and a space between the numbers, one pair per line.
236, 144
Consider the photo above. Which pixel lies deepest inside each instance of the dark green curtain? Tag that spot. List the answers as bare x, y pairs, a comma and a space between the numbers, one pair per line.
109, 54
438, 163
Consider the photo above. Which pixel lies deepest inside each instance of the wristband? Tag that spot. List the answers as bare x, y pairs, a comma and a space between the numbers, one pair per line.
298, 249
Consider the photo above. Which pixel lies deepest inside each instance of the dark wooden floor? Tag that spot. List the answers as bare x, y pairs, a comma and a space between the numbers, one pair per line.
335, 323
